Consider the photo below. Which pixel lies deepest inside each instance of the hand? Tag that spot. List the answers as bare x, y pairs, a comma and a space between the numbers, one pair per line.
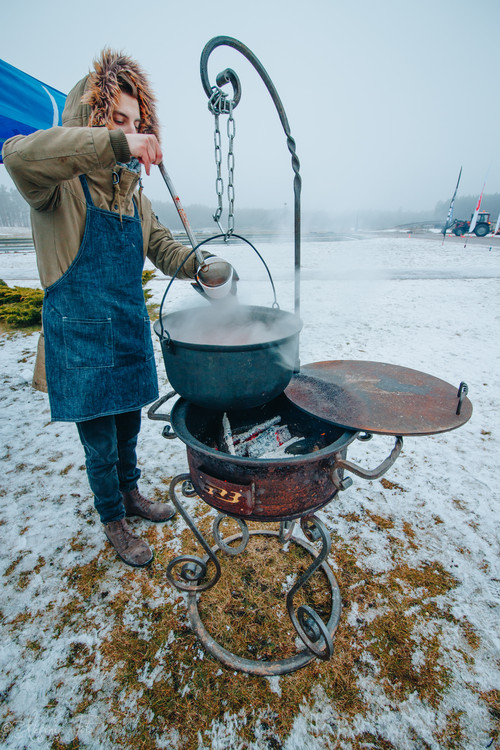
146, 148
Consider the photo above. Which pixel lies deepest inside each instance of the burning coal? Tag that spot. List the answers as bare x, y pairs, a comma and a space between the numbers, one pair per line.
268, 439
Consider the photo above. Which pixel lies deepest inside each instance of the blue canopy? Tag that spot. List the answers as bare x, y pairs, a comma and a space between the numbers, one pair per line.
26, 104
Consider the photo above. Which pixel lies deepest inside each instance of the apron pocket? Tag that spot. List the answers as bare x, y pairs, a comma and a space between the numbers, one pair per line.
88, 343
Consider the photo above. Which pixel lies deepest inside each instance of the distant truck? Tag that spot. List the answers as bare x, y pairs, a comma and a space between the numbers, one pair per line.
482, 228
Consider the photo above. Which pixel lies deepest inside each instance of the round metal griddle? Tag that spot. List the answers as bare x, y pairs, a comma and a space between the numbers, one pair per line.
379, 398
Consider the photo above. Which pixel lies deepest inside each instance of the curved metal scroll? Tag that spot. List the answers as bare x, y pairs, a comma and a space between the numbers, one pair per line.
229, 76
310, 627
193, 568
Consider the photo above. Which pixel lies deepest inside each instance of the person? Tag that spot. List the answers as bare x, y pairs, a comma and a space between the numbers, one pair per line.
92, 228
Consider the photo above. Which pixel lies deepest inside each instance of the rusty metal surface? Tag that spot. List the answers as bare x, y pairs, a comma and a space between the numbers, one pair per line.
260, 489
278, 492
377, 397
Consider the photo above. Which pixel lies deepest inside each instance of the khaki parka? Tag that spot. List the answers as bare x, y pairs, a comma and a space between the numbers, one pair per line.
45, 167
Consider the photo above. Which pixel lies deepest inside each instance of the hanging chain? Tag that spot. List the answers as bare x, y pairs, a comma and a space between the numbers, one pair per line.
219, 104
219, 184
231, 132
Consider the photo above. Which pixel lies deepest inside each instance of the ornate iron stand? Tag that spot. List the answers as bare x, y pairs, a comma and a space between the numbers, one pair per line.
191, 573
316, 635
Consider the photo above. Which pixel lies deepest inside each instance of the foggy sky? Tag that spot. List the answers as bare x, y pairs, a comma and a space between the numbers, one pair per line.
385, 100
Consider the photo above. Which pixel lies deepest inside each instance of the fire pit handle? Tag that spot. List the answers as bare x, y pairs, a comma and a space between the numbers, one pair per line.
168, 432
340, 463
154, 407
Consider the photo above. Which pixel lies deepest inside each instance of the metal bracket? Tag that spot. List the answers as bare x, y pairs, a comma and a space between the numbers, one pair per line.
463, 390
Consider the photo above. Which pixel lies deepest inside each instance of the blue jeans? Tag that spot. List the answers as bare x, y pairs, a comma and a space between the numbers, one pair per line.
111, 460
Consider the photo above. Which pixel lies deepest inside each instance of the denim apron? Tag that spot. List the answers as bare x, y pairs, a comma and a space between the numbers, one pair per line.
99, 354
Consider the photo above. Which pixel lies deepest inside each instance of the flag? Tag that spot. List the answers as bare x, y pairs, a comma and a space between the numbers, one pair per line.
450, 210
474, 217
26, 104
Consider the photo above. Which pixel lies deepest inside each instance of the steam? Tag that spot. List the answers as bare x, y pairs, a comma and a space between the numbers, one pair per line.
230, 324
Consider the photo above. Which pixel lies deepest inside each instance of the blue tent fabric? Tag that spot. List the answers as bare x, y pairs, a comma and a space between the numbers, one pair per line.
26, 104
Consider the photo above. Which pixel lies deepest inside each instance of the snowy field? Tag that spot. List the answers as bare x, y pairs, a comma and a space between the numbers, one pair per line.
417, 303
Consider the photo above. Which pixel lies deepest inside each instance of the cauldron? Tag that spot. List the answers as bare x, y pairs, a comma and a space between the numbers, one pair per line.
237, 359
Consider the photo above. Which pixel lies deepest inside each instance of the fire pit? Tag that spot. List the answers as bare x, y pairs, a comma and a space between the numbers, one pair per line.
267, 441
269, 489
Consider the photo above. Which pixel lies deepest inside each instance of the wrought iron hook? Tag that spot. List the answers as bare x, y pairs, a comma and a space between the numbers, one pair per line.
229, 76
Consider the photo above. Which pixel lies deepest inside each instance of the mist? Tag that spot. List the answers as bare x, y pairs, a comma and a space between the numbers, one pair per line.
386, 101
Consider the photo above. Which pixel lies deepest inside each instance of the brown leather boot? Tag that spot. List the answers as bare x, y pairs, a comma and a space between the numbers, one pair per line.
131, 548
138, 505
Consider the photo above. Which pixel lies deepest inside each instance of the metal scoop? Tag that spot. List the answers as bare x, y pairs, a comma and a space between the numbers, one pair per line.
214, 275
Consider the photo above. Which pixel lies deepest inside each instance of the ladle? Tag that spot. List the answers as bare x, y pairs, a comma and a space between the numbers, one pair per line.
214, 274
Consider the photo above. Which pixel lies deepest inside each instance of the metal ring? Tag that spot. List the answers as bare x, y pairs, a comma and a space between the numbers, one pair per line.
245, 535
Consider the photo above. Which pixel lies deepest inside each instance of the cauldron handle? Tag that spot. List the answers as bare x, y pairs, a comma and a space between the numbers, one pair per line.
341, 463
164, 333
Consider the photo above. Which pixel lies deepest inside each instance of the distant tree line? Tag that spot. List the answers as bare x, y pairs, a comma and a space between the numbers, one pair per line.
465, 206
14, 211
201, 217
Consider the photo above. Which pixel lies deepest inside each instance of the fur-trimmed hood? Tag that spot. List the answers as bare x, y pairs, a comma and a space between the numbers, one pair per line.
93, 99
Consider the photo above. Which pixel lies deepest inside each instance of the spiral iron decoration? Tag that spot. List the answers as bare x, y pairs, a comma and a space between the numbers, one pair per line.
193, 569
308, 624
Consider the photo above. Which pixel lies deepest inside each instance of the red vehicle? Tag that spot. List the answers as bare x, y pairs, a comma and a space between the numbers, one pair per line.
482, 228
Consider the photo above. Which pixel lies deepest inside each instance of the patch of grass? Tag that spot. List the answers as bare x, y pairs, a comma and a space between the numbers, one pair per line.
391, 485
71, 615
10, 569
451, 736
80, 657
89, 697
394, 645
86, 579
351, 517
492, 700
379, 521
76, 543
431, 577
58, 744
24, 579
33, 646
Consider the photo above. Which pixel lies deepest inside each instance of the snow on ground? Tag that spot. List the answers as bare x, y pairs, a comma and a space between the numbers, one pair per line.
417, 303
